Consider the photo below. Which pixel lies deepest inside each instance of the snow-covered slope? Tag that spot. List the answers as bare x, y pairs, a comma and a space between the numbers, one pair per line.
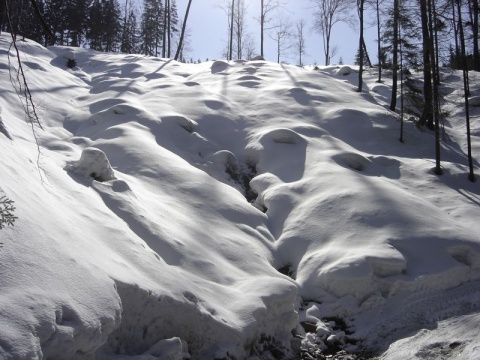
205, 211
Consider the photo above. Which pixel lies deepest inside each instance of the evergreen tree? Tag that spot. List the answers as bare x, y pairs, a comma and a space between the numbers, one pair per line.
76, 15
112, 25
130, 34
55, 16
25, 22
104, 25
151, 28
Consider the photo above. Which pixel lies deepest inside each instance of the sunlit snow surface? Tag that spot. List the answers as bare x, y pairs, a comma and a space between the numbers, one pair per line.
145, 244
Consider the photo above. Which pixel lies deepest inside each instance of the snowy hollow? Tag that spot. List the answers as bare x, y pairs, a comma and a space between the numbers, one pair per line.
228, 210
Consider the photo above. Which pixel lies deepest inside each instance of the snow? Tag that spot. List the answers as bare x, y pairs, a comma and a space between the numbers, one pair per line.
207, 210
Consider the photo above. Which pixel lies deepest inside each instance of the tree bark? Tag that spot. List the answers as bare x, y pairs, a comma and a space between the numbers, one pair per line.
427, 113
471, 175
262, 23
476, 53
393, 102
379, 45
361, 46
180, 43
436, 103
230, 50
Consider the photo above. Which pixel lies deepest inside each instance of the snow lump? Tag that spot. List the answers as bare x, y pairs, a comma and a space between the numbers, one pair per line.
93, 163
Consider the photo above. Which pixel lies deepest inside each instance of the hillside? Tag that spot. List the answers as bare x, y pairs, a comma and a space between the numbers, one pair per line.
206, 210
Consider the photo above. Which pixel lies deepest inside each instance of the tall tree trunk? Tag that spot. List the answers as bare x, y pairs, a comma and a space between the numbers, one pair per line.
436, 103
476, 53
427, 114
164, 44
401, 83
230, 50
262, 23
393, 102
455, 33
2, 14
180, 43
169, 29
379, 45
360, 46
471, 175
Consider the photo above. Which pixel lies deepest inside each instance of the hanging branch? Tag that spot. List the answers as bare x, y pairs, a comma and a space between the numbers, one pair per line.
19, 83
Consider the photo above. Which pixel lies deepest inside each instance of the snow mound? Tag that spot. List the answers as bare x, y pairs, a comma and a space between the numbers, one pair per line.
93, 163
344, 71
219, 66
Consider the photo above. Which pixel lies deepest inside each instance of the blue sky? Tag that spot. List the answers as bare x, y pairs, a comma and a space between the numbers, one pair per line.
209, 27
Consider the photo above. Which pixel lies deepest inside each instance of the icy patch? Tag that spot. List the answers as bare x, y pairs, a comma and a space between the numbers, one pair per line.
93, 163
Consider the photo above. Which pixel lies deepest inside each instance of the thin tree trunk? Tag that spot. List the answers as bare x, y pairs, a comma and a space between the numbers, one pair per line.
230, 50
180, 43
262, 21
379, 47
427, 114
393, 102
455, 34
476, 53
360, 46
169, 30
436, 110
401, 84
164, 45
471, 175
2, 14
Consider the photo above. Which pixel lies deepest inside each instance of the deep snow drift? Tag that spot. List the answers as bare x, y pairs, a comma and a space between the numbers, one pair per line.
205, 211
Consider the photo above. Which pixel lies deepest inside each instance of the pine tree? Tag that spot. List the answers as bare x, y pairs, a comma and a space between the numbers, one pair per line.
151, 28
130, 34
25, 21
112, 25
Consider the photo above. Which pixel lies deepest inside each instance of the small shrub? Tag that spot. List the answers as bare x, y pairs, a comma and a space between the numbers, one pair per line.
71, 63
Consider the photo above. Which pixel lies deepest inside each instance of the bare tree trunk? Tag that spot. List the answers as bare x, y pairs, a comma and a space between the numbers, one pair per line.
471, 175
436, 104
393, 102
169, 29
361, 44
379, 45
2, 14
262, 23
427, 113
476, 53
230, 50
164, 45
180, 43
